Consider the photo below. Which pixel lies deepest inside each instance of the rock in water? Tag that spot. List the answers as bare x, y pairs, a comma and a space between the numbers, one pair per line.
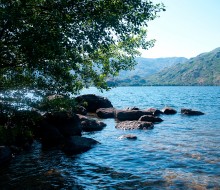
94, 102
154, 111
131, 125
89, 125
67, 123
76, 144
128, 136
105, 113
132, 108
150, 118
123, 115
169, 111
191, 112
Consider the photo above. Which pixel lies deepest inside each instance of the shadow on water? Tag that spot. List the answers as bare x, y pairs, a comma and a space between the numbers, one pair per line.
38, 169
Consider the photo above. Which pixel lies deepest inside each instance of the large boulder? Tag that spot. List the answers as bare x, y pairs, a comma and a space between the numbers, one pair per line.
67, 123
5, 155
94, 102
76, 145
89, 125
81, 110
105, 113
186, 111
131, 125
123, 115
169, 111
50, 135
150, 118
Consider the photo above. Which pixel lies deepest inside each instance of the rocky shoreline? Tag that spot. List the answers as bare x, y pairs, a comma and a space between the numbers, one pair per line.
63, 130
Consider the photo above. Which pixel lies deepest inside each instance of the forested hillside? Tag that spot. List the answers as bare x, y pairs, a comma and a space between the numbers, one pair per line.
201, 70
144, 68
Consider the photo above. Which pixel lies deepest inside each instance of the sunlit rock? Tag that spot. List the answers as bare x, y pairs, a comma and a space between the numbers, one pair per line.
123, 115
105, 113
131, 125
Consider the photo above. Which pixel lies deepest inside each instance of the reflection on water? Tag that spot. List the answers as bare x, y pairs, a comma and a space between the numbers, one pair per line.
180, 153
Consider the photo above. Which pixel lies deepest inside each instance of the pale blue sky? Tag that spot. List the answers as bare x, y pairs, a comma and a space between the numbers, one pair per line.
186, 29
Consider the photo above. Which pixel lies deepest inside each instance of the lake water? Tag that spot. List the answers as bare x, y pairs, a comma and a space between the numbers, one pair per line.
182, 152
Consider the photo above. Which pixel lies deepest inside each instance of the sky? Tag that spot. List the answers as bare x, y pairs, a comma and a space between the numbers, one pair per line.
186, 29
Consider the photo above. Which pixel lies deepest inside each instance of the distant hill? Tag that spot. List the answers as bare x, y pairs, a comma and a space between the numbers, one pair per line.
201, 70
144, 68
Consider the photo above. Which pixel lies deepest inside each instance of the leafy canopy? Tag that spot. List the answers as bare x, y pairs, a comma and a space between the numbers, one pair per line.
61, 46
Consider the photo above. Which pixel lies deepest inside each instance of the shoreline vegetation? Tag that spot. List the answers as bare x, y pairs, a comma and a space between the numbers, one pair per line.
60, 47
61, 127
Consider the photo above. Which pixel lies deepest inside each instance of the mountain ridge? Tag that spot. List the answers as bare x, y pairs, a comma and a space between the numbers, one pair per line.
203, 69
145, 67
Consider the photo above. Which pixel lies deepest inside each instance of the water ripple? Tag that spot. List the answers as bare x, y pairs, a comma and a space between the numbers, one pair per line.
180, 153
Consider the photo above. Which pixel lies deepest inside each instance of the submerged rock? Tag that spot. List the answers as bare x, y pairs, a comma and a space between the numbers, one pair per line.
123, 115
105, 113
94, 102
131, 125
186, 111
76, 145
169, 111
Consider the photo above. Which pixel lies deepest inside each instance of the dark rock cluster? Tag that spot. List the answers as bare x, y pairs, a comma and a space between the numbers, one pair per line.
64, 130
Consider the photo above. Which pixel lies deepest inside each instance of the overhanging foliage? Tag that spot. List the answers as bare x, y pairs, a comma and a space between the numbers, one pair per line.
61, 46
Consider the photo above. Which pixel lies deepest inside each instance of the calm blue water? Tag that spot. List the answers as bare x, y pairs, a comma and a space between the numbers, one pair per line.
182, 152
